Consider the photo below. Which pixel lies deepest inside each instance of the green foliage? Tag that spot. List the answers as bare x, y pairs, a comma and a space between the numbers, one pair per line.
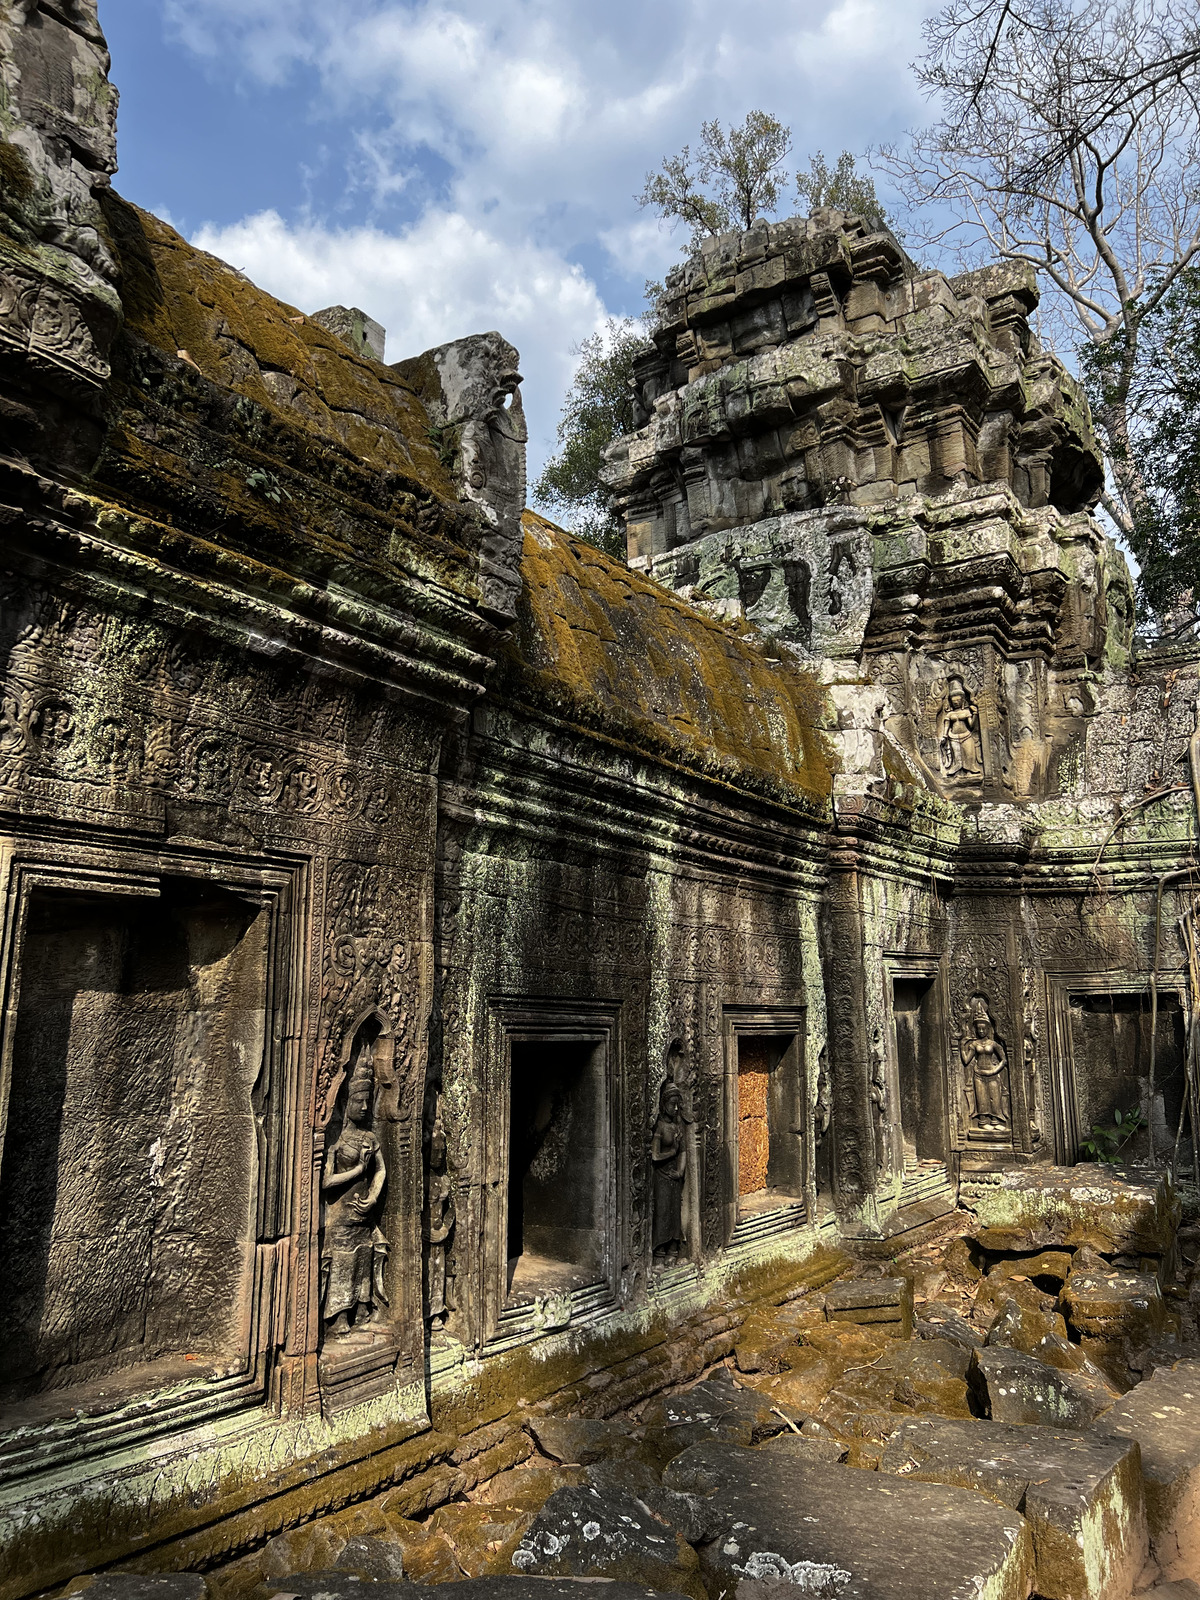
599, 407
842, 187
1107, 1143
734, 178
1159, 446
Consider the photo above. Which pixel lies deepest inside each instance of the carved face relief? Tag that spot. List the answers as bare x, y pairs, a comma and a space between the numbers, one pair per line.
54, 726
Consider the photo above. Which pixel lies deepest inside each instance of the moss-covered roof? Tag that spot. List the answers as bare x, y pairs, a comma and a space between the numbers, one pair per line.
237, 421
184, 300
605, 647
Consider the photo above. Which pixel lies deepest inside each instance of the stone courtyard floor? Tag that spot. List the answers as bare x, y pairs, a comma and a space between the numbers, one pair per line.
1009, 1405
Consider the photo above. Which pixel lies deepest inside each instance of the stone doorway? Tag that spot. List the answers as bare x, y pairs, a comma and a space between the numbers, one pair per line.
919, 1054
558, 1167
1111, 1066
766, 1116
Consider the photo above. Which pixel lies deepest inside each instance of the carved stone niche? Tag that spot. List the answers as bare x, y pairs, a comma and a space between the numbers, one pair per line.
370, 1255
141, 1180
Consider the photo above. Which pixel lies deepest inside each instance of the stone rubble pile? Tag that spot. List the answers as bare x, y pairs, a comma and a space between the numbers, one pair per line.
1013, 1409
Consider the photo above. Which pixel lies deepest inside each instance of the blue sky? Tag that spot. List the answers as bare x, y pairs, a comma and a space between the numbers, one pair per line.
458, 165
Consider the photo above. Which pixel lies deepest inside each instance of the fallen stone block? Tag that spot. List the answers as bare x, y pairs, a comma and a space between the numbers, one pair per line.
428, 1557
855, 1535
632, 1476
1081, 1495
943, 1322
1163, 1416
1019, 1327
372, 1558
995, 1293
583, 1533
1119, 1210
308, 1548
578, 1440
952, 1358
769, 1339
330, 1584
928, 1376
1048, 1269
799, 1391
961, 1260
882, 1302
913, 1381
519, 1588
1116, 1314
802, 1447
482, 1536
529, 1486
1014, 1387
718, 1406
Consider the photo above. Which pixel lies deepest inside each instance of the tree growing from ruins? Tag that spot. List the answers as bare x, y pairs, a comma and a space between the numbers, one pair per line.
598, 408
1163, 401
1069, 138
842, 187
734, 178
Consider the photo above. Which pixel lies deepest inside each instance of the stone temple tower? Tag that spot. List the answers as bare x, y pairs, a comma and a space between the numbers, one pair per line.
869, 461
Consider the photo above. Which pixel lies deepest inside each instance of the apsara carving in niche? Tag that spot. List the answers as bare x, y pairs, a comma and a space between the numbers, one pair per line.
439, 1217
668, 1157
959, 748
354, 1250
986, 1063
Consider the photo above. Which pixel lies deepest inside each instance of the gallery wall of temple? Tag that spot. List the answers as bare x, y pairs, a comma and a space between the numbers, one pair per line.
439, 960
629, 899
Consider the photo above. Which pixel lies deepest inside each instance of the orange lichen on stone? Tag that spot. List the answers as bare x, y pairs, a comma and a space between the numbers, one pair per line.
753, 1081
601, 644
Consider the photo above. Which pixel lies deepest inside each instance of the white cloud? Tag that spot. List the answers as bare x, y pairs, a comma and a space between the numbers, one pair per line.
443, 278
554, 111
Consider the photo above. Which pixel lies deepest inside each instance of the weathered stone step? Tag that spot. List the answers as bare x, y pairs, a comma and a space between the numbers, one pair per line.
850, 1535
1081, 1495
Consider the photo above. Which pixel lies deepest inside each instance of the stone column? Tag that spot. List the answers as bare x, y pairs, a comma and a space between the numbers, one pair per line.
853, 1123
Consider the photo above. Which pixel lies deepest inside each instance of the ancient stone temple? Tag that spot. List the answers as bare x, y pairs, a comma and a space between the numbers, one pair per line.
460, 988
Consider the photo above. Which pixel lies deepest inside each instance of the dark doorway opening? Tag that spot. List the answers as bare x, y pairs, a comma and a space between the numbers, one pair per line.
558, 1166
1111, 1068
919, 1068
770, 1126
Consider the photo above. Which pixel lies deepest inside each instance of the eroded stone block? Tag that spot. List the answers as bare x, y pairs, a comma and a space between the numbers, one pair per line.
587, 1533
1163, 1416
782, 1518
886, 1302
1081, 1496
1016, 1387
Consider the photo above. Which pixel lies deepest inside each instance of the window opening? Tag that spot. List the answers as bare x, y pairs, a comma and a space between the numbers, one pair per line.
557, 1166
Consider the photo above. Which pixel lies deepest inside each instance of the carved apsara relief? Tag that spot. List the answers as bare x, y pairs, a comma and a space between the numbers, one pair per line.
985, 1061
